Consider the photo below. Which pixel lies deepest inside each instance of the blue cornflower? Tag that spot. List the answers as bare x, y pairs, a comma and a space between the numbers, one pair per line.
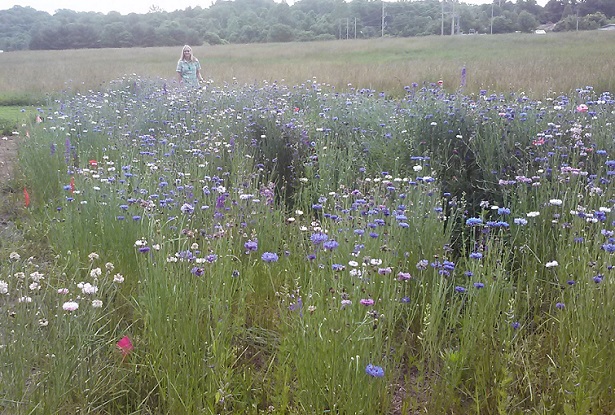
269, 257
610, 248
520, 221
598, 279
515, 325
197, 271
476, 255
503, 211
560, 306
479, 285
251, 246
318, 238
374, 371
460, 289
474, 221
330, 245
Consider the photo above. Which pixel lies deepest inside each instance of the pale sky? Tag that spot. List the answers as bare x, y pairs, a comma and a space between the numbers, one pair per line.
135, 6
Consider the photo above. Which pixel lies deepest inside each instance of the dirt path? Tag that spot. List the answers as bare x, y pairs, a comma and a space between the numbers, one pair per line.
8, 158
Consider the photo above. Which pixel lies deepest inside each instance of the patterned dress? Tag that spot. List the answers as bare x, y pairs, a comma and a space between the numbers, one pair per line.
188, 69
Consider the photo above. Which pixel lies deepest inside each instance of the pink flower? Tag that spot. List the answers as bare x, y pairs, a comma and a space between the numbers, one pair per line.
367, 301
125, 345
403, 276
70, 306
582, 108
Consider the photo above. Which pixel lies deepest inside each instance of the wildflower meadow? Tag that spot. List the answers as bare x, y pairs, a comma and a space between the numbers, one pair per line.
300, 249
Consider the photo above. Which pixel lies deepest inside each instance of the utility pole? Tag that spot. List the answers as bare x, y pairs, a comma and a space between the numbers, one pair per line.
453, 21
347, 29
355, 27
491, 31
382, 34
442, 21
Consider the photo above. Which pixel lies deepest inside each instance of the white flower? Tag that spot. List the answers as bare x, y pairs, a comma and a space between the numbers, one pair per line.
551, 264
194, 246
4, 287
37, 276
375, 261
417, 168
355, 272
14, 256
34, 286
533, 214
70, 306
93, 256
353, 263
25, 299
118, 278
97, 303
555, 202
88, 288
95, 273
109, 266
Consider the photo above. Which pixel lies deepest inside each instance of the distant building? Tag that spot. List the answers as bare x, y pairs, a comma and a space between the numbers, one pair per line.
608, 27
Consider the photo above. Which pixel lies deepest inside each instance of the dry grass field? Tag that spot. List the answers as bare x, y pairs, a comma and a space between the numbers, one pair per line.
537, 65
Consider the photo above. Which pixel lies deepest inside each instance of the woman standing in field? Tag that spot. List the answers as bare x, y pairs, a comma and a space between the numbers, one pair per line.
189, 68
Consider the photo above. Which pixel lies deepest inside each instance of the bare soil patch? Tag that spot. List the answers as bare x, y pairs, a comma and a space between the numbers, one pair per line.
8, 157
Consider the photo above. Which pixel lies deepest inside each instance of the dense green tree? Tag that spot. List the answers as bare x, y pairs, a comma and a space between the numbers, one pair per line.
248, 21
526, 21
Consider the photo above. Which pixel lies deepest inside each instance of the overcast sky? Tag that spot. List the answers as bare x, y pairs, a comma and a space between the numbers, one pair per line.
133, 6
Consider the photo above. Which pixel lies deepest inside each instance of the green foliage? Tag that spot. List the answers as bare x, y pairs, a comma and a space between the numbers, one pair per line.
242, 295
267, 21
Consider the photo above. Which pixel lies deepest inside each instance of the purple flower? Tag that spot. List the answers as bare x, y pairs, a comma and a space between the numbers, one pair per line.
296, 306
269, 257
330, 245
479, 285
610, 248
319, 238
374, 371
460, 289
476, 255
403, 276
144, 249
251, 246
598, 279
515, 325
197, 271
366, 302
560, 306
187, 208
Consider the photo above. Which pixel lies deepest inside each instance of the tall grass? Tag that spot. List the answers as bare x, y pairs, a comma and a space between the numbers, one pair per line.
538, 65
291, 248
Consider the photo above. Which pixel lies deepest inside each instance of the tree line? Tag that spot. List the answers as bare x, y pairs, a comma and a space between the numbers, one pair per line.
258, 21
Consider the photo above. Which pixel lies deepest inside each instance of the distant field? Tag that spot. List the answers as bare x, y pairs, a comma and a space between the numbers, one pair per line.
537, 65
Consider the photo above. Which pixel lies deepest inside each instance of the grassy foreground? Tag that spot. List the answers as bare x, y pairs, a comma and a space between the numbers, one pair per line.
289, 248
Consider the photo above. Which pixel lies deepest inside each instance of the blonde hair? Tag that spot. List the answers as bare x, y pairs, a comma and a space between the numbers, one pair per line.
185, 48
